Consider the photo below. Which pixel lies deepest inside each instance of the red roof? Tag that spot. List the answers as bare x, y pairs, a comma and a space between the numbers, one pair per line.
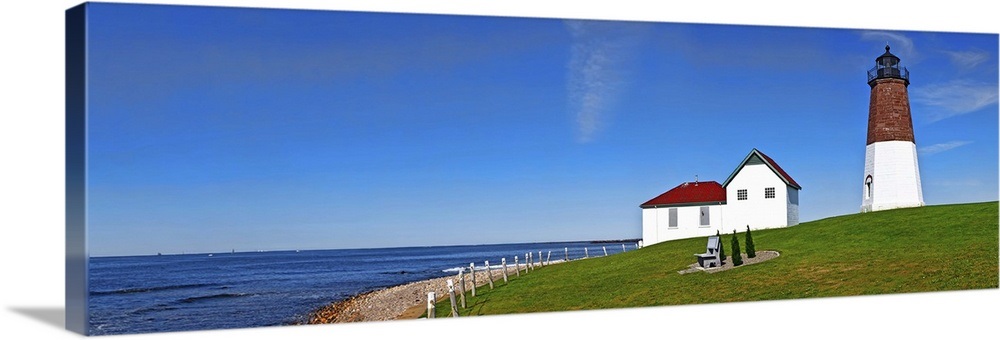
770, 164
690, 193
781, 172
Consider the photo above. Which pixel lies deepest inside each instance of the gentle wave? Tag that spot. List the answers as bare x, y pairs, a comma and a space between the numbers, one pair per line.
156, 308
213, 297
149, 289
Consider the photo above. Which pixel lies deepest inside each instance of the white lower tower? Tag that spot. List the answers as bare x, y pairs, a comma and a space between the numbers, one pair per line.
892, 175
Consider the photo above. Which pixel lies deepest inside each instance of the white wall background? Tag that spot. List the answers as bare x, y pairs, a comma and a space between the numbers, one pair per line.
792, 195
656, 223
756, 211
31, 198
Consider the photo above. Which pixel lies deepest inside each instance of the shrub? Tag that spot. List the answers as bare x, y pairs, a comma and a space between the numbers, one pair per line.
751, 251
737, 259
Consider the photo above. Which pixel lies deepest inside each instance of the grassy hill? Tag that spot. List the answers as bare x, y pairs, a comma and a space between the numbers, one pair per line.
934, 248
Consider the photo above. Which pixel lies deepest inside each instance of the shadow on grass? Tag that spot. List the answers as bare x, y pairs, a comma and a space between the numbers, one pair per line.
476, 308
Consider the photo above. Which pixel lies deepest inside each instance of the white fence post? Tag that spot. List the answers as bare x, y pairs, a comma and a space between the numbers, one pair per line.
585, 253
461, 279
517, 267
567, 254
489, 274
548, 258
605, 251
503, 263
430, 305
472, 271
623, 247
540, 264
451, 295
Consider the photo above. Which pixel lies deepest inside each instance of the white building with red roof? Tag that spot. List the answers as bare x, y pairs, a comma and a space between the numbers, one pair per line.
759, 194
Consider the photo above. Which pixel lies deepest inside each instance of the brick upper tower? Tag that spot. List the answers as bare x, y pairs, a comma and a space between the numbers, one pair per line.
892, 177
889, 108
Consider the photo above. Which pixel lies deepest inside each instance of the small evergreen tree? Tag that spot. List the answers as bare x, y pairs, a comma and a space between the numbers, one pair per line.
737, 259
751, 252
722, 250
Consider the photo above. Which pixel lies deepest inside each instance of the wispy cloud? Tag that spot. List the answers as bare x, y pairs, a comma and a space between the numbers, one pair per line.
900, 44
955, 98
598, 70
967, 59
942, 147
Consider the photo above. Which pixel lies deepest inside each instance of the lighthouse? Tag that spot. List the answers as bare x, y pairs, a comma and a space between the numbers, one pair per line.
892, 177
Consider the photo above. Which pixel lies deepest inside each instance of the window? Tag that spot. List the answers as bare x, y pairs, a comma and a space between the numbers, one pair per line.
704, 216
769, 192
741, 195
868, 187
672, 218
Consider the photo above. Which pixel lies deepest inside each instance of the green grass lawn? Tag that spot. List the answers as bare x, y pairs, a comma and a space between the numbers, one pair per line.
934, 248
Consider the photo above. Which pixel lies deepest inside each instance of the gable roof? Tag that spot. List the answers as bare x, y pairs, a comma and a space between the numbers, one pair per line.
757, 157
689, 193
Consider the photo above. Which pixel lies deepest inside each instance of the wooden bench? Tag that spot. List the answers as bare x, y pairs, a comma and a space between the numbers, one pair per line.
711, 256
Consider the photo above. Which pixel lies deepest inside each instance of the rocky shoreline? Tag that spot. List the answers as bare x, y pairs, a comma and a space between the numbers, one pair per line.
406, 301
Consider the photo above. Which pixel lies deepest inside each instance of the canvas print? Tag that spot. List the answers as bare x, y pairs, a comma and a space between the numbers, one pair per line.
242, 167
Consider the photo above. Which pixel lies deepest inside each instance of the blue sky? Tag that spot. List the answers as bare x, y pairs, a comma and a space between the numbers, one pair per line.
217, 128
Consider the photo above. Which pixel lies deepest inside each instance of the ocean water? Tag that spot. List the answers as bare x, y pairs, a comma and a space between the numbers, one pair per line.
142, 294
